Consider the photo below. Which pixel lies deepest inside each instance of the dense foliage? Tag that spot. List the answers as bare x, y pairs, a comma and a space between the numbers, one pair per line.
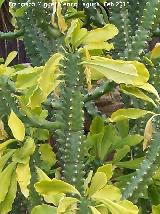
49, 161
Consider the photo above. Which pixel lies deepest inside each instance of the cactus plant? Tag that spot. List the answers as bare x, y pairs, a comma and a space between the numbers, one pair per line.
65, 79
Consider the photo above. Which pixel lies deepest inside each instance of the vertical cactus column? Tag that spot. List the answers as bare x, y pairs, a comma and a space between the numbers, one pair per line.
71, 115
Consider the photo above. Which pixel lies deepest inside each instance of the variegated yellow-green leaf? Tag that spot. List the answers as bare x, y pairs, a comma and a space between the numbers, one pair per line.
120, 207
36, 98
4, 159
148, 132
54, 187
61, 20
1, 2
28, 77
44, 209
96, 185
47, 154
6, 143
10, 58
88, 180
3, 133
116, 70
65, 204
131, 72
75, 34
22, 155
5, 178
48, 78
94, 210
155, 209
16, 126
52, 199
95, 39
143, 73
130, 113
156, 51
107, 169
133, 91
6, 205
101, 45
23, 177
41, 175
149, 88
102, 209
109, 192
105, 33
46, 83
121, 153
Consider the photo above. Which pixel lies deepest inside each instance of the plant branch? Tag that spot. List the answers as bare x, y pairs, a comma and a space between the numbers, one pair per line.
11, 35
99, 91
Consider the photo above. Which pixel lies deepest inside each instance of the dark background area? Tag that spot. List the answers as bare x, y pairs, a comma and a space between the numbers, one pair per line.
6, 46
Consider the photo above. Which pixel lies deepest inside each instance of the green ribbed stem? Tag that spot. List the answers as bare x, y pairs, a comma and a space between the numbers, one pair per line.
71, 115
11, 35
143, 33
143, 177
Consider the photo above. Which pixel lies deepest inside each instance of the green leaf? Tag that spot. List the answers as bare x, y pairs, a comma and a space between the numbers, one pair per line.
44, 209
121, 153
94, 210
156, 51
97, 125
11, 56
156, 209
51, 199
65, 204
41, 134
107, 169
6, 143
88, 180
23, 154
130, 140
96, 185
23, 177
95, 39
121, 207
16, 126
116, 70
5, 179
123, 127
28, 77
102, 209
149, 88
109, 192
101, 34
3, 133
132, 164
110, 136
41, 175
75, 34
47, 155
48, 78
54, 187
133, 91
6, 205
1, 2
4, 159
127, 72
130, 113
